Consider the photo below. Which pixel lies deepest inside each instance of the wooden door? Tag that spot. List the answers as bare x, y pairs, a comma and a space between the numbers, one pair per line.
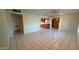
18, 23
55, 23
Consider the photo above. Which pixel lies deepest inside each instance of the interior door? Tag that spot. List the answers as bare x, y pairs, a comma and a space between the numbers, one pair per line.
55, 23
18, 23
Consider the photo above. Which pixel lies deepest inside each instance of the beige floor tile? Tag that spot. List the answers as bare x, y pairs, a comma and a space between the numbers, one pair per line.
45, 40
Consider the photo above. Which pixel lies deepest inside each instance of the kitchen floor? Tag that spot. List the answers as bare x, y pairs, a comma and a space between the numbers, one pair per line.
45, 40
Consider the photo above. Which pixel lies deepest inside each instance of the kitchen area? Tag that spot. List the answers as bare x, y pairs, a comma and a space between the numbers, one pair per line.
45, 23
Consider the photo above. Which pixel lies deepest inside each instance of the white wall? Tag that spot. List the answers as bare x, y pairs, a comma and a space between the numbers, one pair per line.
31, 22
5, 29
69, 22
78, 28
10, 22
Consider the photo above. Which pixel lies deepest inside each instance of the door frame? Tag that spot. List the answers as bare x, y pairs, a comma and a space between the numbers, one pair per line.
58, 22
22, 21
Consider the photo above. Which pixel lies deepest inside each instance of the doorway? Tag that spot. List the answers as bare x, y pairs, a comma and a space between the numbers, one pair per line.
45, 23
17, 23
55, 23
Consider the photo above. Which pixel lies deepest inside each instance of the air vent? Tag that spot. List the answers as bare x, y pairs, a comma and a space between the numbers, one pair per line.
15, 10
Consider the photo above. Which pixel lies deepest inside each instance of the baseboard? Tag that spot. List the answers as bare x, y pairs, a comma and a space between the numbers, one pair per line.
4, 48
31, 31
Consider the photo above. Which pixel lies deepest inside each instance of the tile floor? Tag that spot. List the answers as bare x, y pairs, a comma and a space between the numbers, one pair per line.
45, 40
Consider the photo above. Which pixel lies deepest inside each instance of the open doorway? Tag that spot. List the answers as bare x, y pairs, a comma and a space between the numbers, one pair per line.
17, 23
55, 23
45, 23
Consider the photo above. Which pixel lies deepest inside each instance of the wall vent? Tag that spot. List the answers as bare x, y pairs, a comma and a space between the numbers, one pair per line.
15, 10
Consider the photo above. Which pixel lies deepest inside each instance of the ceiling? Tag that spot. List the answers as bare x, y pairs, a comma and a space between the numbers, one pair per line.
51, 12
